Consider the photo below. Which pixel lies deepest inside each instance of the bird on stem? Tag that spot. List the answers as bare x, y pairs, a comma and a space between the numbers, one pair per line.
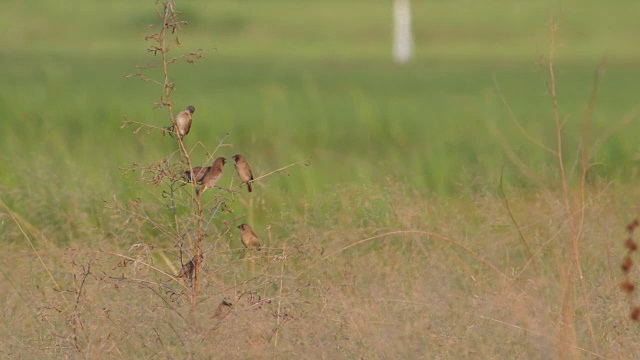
186, 272
223, 310
249, 238
183, 121
244, 170
200, 172
212, 175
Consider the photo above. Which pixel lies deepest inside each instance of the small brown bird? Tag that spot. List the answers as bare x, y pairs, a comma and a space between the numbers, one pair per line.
187, 269
212, 176
183, 121
249, 238
223, 310
199, 171
244, 170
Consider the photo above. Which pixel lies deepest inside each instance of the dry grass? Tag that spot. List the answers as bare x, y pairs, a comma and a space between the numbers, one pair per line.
401, 295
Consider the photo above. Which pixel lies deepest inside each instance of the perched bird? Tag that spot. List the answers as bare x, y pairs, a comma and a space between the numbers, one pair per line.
212, 175
200, 172
186, 271
183, 121
249, 238
244, 170
223, 310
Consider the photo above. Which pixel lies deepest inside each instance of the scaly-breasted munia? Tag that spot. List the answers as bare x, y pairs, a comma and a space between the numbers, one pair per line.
223, 310
187, 269
249, 238
244, 170
199, 171
212, 176
183, 121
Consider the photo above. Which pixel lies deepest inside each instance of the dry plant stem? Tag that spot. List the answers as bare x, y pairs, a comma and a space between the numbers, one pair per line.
542, 335
169, 14
35, 251
149, 266
235, 286
143, 216
585, 141
516, 122
77, 321
284, 260
305, 162
213, 153
403, 232
141, 125
537, 333
513, 157
576, 226
269, 258
617, 126
283, 169
515, 223
552, 89
213, 214
538, 251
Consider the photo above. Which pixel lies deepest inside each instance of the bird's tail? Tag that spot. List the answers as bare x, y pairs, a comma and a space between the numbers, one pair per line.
168, 130
249, 186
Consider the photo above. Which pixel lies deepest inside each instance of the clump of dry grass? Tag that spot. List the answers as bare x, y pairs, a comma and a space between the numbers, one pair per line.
326, 292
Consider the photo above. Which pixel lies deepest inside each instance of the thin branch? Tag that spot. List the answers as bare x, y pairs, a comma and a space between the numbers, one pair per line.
279, 298
143, 78
576, 227
128, 122
306, 162
14, 217
542, 335
149, 266
407, 232
515, 223
514, 119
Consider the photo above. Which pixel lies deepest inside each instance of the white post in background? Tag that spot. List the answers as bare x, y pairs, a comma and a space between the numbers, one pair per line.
402, 36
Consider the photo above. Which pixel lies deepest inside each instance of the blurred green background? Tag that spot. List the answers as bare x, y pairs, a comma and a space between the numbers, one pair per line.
290, 80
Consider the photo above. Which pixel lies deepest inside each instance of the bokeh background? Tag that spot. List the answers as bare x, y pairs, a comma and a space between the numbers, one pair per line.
291, 80
392, 147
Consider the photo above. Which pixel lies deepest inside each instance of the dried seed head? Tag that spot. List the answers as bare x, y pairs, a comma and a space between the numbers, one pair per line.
627, 263
630, 245
633, 225
635, 314
627, 286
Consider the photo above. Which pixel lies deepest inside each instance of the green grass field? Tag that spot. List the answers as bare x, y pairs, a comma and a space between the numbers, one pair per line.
416, 152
